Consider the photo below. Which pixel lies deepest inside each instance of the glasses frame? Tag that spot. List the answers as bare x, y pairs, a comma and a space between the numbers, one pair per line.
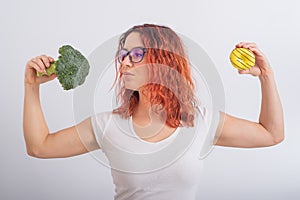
129, 54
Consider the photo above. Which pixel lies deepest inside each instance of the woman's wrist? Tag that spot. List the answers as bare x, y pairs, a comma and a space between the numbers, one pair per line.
266, 74
267, 78
32, 86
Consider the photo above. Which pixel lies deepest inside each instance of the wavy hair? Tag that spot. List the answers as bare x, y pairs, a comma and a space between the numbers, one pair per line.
170, 85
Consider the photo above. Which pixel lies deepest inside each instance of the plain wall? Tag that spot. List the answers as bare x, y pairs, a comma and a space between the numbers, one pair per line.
30, 28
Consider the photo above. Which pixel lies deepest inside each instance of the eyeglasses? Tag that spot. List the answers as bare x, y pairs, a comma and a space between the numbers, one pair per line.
136, 54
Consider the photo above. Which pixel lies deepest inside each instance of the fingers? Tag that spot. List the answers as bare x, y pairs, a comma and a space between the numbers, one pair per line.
40, 63
245, 71
44, 79
261, 66
245, 44
251, 46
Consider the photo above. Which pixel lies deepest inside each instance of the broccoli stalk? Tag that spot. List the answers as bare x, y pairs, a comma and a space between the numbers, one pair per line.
49, 71
71, 68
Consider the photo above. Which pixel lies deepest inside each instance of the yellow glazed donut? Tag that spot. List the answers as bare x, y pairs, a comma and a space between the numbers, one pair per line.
242, 58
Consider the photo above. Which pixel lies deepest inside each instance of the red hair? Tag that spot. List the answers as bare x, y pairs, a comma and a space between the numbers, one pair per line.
170, 84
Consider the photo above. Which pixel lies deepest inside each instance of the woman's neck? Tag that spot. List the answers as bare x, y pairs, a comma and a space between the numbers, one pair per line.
148, 124
144, 106
144, 113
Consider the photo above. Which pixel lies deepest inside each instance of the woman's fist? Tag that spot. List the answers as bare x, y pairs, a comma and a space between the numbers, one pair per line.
38, 64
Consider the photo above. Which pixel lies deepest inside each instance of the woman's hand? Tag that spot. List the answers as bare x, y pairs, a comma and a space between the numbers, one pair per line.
262, 66
39, 63
237, 132
40, 142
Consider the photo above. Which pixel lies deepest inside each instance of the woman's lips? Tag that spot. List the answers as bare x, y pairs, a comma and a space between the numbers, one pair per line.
128, 74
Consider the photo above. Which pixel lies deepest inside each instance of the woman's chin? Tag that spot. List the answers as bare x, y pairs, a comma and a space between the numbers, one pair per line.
131, 87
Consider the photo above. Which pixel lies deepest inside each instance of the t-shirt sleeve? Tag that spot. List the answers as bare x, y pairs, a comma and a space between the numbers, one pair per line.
211, 120
100, 122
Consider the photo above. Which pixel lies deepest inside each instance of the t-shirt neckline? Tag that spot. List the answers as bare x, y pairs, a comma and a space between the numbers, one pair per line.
171, 137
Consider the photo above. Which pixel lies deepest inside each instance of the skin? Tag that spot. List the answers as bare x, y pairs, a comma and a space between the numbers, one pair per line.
138, 71
269, 130
234, 132
147, 125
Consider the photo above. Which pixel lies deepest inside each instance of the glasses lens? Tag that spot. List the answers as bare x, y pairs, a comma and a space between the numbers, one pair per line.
122, 54
137, 54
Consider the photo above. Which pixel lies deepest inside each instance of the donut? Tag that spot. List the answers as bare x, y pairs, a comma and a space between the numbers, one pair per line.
242, 58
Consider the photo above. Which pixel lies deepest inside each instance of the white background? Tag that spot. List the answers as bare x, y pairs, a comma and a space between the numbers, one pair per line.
30, 28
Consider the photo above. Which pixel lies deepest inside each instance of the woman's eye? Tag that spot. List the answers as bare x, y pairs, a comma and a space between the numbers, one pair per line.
122, 55
137, 55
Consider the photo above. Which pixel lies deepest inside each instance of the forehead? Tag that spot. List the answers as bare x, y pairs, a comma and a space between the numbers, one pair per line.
133, 40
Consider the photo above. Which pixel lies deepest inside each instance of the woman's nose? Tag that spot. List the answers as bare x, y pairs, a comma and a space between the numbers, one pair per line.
126, 62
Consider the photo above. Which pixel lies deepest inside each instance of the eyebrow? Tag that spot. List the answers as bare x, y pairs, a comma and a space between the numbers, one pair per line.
133, 48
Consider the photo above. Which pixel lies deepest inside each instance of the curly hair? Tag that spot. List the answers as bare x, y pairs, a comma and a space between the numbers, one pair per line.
170, 84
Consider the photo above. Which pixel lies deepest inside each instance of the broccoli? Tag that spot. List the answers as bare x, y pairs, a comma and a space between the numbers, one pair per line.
71, 68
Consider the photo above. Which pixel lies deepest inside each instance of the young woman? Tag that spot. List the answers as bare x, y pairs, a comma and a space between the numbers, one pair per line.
158, 102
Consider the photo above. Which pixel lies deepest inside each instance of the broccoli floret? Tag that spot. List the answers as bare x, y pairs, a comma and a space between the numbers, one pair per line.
71, 68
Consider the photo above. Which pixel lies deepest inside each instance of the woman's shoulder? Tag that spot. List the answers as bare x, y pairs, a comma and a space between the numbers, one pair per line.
103, 114
202, 110
101, 119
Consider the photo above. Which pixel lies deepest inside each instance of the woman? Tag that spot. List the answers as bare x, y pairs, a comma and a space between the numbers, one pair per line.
157, 98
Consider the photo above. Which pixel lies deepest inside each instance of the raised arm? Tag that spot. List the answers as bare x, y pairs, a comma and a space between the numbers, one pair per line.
269, 130
39, 142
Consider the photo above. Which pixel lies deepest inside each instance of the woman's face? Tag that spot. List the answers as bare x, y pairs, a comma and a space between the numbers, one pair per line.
135, 75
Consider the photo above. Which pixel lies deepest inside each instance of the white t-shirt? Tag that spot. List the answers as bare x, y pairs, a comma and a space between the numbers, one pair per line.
141, 170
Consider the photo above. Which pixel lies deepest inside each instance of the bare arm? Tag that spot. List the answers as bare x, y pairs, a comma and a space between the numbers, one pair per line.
39, 142
269, 130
